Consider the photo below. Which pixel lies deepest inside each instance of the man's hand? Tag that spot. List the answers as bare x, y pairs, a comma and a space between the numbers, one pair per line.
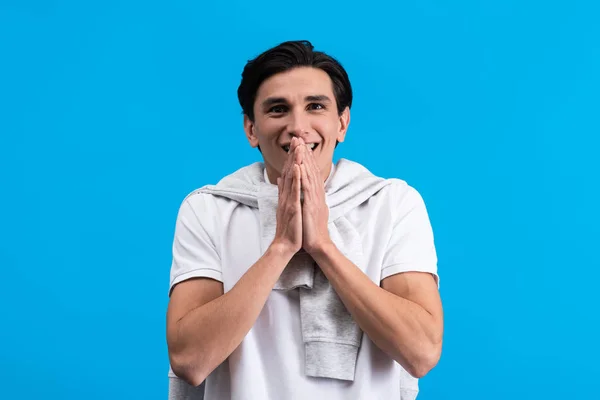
315, 213
288, 232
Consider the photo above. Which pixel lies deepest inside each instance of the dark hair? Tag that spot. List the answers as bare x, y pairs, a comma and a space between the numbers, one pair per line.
286, 56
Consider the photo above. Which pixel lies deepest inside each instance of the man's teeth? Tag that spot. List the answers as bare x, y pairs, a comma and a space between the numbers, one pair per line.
311, 146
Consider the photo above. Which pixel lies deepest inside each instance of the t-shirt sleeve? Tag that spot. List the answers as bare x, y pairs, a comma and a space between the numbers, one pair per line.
411, 246
195, 253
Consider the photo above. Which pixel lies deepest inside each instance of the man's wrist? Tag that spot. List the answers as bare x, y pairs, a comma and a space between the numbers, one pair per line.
281, 250
322, 249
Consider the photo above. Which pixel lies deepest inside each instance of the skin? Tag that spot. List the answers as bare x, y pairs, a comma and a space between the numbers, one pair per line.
403, 316
298, 103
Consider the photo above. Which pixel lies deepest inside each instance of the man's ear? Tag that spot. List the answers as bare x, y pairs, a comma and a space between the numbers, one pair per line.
344, 121
249, 129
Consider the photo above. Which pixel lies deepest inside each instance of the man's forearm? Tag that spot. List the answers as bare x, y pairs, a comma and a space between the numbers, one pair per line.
403, 329
208, 334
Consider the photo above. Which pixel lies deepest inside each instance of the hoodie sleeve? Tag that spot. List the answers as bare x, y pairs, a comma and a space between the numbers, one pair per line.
411, 246
194, 249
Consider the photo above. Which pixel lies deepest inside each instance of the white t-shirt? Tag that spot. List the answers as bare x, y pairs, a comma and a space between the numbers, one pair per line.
220, 239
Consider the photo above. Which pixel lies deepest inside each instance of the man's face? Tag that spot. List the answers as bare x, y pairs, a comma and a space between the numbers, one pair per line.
299, 102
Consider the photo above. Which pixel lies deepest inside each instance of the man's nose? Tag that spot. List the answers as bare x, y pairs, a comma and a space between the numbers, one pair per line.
299, 126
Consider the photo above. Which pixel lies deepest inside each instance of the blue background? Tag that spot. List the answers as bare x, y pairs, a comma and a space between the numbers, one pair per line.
111, 112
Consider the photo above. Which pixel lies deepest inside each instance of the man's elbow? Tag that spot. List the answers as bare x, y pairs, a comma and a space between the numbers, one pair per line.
186, 370
425, 362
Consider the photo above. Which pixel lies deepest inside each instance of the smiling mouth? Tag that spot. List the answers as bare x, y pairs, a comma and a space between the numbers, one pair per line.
311, 146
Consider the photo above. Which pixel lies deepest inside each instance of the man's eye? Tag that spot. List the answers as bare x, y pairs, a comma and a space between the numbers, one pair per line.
316, 106
277, 109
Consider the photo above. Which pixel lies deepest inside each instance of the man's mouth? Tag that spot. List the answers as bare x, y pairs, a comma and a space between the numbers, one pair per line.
311, 146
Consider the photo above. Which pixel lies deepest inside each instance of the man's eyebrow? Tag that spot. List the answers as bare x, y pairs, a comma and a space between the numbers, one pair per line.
273, 100
318, 97
282, 100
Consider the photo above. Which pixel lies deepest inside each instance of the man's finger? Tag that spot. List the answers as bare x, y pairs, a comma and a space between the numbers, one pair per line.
305, 183
298, 158
317, 186
315, 173
289, 160
298, 141
287, 183
294, 144
296, 188
301, 153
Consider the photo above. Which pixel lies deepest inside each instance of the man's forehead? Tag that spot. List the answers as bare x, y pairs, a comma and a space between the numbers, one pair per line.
299, 82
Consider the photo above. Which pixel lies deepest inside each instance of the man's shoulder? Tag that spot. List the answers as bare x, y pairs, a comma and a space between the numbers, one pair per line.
397, 199
404, 196
203, 195
395, 185
401, 190
202, 201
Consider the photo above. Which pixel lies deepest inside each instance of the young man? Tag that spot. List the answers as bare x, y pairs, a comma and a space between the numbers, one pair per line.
297, 278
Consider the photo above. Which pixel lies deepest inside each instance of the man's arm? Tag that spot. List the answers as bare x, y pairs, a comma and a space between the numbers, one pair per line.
204, 326
404, 317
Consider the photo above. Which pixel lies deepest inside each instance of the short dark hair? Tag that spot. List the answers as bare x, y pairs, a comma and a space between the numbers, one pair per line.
287, 56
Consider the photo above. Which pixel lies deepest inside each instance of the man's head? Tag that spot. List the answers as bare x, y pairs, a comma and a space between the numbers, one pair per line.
292, 91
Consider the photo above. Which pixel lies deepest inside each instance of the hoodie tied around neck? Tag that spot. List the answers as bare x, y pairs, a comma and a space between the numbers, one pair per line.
331, 337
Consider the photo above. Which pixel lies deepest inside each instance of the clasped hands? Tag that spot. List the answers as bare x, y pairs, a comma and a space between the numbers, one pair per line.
301, 224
